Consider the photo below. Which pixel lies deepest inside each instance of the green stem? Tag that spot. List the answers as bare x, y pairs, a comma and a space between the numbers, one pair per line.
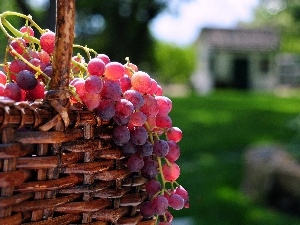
15, 32
38, 69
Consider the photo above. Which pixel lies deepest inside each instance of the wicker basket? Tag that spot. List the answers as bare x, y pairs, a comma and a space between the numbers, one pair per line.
58, 164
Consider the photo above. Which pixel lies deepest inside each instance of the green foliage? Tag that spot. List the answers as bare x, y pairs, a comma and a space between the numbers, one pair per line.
284, 16
174, 64
217, 128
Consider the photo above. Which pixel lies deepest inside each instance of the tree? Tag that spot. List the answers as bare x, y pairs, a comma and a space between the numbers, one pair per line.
284, 16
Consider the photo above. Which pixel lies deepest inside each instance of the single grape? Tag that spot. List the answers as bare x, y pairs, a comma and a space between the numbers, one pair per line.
15, 67
135, 97
125, 83
147, 209
37, 63
163, 121
91, 100
164, 105
79, 85
171, 172
106, 109
139, 135
13, 91
153, 88
129, 148
28, 31
96, 67
121, 120
153, 187
176, 201
184, 194
150, 107
3, 78
160, 148
19, 45
93, 84
111, 90
141, 82
159, 91
124, 108
47, 41
138, 119
77, 58
160, 205
2, 87
174, 133
48, 71
36, 93
130, 69
44, 57
121, 135
135, 163
26, 80
104, 58
174, 151
150, 168
114, 71
145, 149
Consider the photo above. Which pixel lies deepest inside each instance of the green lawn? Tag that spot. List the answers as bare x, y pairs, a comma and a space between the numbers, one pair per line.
216, 131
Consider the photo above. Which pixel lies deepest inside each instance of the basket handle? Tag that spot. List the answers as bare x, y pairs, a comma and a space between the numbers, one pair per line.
64, 38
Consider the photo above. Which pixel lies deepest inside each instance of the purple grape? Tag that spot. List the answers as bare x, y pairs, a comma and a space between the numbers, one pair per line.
150, 168
106, 109
152, 187
161, 148
176, 201
26, 80
160, 204
139, 135
121, 135
128, 148
111, 90
135, 163
147, 209
145, 149
135, 97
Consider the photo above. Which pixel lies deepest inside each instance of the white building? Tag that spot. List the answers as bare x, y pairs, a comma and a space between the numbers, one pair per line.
236, 58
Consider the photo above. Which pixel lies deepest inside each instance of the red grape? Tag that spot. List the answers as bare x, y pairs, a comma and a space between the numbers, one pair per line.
3, 78
160, 148
171, 172
174, 151
18, 45
147, 209
176, 201
184, 194
104, 58
93, 84
36, 93
47, 41
96, 67
174, 133
13, 91
114, 71
29, 31
141, 82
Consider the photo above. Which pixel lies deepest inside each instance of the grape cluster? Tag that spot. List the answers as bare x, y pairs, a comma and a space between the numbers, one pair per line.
116, 92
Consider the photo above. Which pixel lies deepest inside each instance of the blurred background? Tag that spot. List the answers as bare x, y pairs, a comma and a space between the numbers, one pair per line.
232, 70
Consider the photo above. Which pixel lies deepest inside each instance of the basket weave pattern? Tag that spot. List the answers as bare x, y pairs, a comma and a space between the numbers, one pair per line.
73, 176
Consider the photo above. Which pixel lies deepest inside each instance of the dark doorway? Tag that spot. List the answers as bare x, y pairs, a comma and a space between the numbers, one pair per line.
241, 73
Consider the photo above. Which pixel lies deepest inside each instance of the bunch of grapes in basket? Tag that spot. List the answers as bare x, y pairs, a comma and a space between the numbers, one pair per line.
117, 92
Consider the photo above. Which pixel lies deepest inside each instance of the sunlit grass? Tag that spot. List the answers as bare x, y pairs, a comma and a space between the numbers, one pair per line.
216, 131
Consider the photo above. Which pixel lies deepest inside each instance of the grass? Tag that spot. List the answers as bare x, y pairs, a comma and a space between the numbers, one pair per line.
217, 129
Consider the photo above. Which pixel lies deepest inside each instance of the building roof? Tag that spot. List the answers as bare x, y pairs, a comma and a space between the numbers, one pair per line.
241, 39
